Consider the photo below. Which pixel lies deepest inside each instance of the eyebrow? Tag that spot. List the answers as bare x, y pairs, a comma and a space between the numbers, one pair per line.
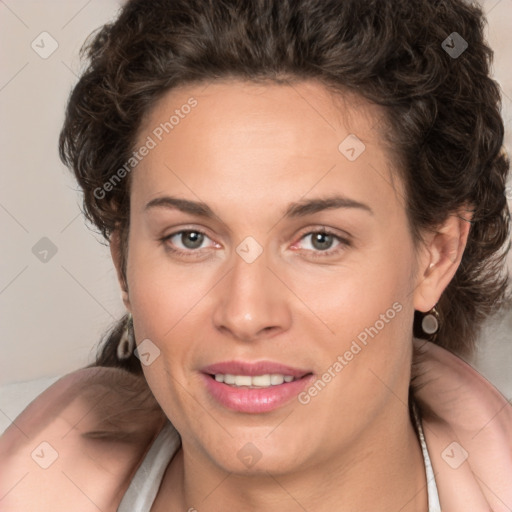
294, 210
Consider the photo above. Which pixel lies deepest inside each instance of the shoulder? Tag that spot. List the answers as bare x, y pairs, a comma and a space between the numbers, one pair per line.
78, 444
468, 430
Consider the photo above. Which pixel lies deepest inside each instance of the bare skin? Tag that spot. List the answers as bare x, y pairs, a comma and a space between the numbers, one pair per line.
78, 444
248, 151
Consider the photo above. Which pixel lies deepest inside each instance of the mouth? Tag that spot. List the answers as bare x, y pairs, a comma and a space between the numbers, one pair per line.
254, 387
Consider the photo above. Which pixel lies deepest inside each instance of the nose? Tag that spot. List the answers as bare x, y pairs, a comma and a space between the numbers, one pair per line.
251, 302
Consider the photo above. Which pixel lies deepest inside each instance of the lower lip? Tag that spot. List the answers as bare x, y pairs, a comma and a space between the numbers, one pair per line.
255, 400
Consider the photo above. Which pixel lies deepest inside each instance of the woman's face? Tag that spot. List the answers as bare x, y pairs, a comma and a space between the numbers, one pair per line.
244, 181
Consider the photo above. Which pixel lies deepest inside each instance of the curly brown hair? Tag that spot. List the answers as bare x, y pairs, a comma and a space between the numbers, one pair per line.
442, 110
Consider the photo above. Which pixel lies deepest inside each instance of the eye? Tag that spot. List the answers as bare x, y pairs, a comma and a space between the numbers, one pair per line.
189, 242
321, 243
185, 242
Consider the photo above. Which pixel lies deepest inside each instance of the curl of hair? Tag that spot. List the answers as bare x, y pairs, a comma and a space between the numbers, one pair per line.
442, 113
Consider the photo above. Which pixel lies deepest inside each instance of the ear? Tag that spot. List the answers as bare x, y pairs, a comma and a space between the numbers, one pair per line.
116, 251
439, 259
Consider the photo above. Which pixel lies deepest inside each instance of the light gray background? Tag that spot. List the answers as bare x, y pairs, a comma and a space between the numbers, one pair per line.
53, 313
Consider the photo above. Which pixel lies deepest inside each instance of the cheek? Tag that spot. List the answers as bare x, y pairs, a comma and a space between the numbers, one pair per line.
352, 297
162, 294
162, 300
366, 362
368, 310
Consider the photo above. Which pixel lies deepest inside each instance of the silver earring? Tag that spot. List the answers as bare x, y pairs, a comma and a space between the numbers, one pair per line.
430, 322
126, 344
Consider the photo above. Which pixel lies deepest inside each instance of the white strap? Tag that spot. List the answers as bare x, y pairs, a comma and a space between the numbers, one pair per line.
145, 484
433, 496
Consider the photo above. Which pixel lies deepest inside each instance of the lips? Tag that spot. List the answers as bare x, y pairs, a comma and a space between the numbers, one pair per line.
249, 399
253, 369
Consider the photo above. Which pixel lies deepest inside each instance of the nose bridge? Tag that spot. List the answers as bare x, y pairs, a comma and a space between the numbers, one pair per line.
252, 300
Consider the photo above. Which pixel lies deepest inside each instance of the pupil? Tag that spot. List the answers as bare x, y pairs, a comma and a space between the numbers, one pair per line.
193, 236
322, 240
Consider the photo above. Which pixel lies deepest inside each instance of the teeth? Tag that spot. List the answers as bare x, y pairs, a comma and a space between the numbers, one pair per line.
261, 380
243, 380
258, 381
229, 379
275, 380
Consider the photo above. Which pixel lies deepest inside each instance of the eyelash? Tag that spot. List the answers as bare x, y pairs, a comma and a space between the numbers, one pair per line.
344, 243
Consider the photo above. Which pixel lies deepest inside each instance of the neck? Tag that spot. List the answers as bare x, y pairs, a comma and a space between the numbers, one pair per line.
383, 471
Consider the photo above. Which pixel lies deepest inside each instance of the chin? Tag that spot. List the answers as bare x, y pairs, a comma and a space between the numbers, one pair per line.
259, 455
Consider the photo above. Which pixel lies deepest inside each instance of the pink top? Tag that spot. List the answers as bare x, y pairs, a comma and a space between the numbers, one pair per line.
467, 424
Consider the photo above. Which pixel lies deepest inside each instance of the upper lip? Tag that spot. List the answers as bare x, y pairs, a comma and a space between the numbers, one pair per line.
254, 368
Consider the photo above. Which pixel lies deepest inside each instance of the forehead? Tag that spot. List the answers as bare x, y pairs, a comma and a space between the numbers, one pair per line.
307, 111
235, 139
